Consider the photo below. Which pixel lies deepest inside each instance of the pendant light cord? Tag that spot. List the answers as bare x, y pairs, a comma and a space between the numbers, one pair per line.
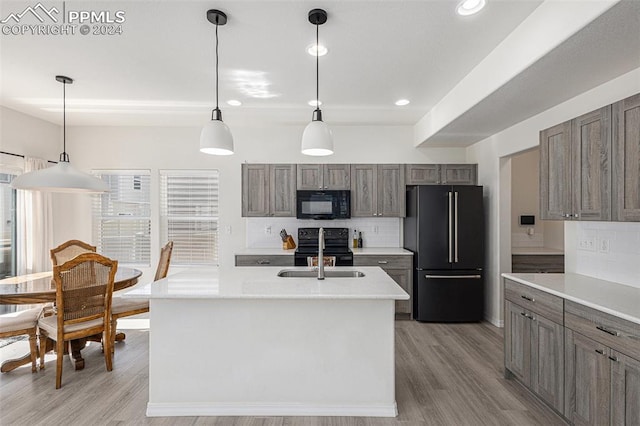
64, 156
317, 70
217, 66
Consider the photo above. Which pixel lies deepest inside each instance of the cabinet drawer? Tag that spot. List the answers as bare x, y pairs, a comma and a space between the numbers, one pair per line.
535, 300
618, 334
393, 262
271, 260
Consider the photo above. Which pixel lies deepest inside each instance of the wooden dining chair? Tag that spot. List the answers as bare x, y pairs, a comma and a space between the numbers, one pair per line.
19, 323
84, 288
122, 307
68, 250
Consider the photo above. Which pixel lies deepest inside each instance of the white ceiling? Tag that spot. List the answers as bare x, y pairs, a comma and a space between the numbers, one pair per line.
160, 70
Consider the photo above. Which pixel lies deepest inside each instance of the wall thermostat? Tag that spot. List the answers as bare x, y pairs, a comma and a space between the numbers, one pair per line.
528, 220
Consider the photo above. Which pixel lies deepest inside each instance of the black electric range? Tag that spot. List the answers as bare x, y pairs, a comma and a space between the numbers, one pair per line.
336, 243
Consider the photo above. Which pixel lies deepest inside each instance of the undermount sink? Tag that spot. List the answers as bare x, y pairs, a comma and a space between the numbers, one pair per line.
332, 273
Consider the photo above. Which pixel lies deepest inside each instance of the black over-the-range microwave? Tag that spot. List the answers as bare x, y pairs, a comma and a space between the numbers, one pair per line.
323, 204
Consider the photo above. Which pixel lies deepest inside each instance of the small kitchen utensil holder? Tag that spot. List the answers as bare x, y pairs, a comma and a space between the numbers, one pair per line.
288, 244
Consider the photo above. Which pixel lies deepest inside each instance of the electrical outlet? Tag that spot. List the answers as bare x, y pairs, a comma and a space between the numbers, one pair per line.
375, 229
267, 230
587, 243
604, 245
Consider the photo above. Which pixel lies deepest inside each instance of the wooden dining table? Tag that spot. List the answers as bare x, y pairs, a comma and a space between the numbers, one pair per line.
40, 288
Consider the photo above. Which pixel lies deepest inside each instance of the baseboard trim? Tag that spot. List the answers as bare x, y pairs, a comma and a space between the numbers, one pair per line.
156, 409
497, 322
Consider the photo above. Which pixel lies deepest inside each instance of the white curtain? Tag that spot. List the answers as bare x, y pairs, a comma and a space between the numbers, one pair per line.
34, 225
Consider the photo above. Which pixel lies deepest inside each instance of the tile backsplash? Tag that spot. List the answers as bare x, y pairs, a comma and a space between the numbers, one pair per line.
264, 232
609, 251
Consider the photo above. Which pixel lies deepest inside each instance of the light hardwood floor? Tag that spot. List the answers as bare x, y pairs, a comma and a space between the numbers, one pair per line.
446, 374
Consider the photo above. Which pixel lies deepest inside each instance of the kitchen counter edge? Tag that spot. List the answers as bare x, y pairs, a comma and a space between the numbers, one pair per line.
613, 298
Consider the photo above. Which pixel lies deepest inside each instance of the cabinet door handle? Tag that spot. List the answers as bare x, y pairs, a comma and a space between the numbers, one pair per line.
526, 315
530, 299
382, 262
263, 262
600, 351
613, 358
606, 330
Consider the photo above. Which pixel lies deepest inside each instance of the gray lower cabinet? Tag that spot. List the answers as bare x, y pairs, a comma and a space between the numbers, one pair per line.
534, 352
625, 390
268, 190
399, 268
267, 260
324, 176
377, 190
588, 380
441, 174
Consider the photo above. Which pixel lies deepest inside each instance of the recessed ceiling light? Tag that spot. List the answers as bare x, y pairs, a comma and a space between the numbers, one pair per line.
317, 49
314, 103
469, 7
234, 102
402, 102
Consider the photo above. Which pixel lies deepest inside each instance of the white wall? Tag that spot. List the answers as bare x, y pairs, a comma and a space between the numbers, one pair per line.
491, 155
605, 250
156, 148
26, 135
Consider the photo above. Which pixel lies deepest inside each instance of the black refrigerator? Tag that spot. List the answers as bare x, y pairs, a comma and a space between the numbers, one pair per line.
444, 228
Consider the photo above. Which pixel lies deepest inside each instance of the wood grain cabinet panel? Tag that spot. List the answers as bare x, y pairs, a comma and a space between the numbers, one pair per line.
268, 260
378, 190
324, 176
268, 190
517, 342
587, 380
626, 151
591, 165
459, 174
547, 361
399, 268
555, 172
445, 174
625, 390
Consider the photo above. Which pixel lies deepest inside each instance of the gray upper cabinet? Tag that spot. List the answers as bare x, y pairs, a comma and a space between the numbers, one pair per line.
591, 165
555, 172
423, 174
377, 190
255, 190
626, 153
459, 174
268, 190
324, 176
575, 169
441, 174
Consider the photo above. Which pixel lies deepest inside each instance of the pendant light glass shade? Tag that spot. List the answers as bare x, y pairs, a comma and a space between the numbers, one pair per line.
61, 177
317, 138
215, 137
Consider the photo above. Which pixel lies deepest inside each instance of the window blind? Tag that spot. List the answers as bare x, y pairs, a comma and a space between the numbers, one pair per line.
122, 216
189, 215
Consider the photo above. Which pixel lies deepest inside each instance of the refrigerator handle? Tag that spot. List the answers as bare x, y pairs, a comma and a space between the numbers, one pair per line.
456, 227
450, 194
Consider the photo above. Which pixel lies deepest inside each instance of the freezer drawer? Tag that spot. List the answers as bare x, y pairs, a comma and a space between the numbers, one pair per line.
448, 296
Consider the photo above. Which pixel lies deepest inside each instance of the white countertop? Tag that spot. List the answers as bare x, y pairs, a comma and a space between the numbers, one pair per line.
263, 283
535, 251
381, 251
616, 299
265, 252
358, 251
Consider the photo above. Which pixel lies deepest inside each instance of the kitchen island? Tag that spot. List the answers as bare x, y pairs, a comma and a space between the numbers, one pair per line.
244, 341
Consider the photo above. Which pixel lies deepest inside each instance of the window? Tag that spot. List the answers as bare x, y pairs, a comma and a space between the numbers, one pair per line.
189, 215
7, 226
122, 217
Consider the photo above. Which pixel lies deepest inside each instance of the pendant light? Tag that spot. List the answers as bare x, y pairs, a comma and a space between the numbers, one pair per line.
61, 177
215, 137
317, 138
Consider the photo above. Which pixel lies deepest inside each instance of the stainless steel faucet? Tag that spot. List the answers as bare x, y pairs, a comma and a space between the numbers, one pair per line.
321, 254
